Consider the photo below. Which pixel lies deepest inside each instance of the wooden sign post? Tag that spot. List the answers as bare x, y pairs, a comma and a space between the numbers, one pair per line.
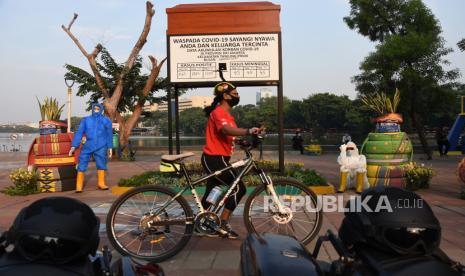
245, 37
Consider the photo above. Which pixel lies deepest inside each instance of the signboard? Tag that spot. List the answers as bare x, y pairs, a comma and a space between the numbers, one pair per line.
248, 57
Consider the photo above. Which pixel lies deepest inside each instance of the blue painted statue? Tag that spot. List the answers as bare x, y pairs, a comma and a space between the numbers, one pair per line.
98, 131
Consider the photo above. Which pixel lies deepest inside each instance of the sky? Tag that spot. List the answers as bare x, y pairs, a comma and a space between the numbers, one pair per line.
320, 53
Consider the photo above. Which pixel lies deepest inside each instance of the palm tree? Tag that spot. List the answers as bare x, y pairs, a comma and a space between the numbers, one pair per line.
461, 44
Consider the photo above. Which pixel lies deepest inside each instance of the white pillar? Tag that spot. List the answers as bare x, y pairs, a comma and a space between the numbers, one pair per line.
69, 109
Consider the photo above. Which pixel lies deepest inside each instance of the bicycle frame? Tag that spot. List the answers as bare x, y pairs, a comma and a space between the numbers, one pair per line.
247, 163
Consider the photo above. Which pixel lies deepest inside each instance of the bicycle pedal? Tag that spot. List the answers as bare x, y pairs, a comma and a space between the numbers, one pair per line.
222, 232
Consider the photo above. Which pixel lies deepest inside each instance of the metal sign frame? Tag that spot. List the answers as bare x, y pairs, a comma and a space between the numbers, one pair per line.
201, 84
277, 83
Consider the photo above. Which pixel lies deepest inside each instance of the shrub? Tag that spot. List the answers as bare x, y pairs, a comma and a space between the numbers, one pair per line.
25, 182
310, 177
194, 167
294, 170
270, 166
417, 176
137, 180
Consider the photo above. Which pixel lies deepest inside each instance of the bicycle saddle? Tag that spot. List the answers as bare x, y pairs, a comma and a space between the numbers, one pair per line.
176, 157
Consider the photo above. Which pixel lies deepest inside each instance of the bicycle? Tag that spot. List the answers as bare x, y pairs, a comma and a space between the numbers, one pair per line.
155, 222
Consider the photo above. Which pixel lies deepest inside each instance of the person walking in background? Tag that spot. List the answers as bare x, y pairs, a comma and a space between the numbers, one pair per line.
298, 142
442, 141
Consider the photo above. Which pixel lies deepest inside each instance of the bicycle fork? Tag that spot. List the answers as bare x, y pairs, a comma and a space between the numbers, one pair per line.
271, 191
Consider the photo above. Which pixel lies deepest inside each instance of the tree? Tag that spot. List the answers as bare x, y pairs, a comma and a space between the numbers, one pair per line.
461, 44
294, 115
120, 85
267, 113
153, 119
358, 121
246, 115
325, 110
192, 121
409, 56
75, 122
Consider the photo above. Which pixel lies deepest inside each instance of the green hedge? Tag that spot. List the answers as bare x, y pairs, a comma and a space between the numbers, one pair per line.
270, 166
293, 170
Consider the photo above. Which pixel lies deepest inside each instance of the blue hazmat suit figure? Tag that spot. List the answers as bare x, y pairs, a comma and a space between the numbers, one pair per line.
98, 131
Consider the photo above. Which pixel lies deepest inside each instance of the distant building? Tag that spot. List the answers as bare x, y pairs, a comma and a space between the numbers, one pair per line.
32, 124
14, 125
184, 103
150, 108
262, 94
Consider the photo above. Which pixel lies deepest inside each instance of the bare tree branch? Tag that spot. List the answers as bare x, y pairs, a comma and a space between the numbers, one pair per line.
96, 51
135, 51
76, 41
153, 75
111, 103
131, 122
72, 21
91, 58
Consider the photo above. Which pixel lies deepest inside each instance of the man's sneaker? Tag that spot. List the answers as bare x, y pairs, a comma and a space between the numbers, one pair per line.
230, 234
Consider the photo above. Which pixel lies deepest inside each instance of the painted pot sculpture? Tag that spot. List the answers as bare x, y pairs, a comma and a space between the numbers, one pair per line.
49, 155
387, 151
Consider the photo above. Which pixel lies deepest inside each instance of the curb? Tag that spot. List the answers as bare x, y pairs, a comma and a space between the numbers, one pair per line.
323, 190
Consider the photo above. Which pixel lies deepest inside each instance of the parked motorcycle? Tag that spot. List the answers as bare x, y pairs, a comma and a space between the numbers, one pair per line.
59, 236
397, 241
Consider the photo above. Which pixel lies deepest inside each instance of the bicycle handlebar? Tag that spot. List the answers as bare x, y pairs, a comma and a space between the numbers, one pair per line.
256, 140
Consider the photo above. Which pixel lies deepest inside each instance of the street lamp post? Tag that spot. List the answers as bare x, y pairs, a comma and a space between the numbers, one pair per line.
69, 83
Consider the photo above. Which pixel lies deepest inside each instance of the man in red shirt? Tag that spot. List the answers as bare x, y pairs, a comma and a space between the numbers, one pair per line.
220, 135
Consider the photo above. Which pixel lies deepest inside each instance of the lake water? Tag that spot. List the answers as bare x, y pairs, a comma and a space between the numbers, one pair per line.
157, 142
23, 142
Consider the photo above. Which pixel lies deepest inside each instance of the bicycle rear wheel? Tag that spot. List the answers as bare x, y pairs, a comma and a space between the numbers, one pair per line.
134, 229
261, 215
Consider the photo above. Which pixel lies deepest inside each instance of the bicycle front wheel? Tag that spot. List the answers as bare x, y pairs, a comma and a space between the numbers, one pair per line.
303, 223
139, 223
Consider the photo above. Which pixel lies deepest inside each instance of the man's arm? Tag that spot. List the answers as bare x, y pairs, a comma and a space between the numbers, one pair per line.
79, 133
109, 134
77, 137
236, 131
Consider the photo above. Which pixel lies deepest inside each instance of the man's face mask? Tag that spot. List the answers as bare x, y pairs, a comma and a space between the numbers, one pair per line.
349, 151
96, 110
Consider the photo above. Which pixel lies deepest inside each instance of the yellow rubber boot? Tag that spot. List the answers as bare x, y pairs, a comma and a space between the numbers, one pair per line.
101, 180
79, 182
359, 179
343, 183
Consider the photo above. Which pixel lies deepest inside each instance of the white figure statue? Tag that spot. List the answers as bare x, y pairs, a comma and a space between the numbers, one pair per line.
353, 168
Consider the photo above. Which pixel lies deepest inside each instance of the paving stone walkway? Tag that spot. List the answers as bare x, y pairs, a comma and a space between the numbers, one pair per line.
216, 256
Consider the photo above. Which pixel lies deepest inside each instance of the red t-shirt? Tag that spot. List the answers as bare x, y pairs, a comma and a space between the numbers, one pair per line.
218, 143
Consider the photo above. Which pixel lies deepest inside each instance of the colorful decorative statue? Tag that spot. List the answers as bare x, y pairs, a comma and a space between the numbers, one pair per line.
387, 149
97, 129
353, 168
